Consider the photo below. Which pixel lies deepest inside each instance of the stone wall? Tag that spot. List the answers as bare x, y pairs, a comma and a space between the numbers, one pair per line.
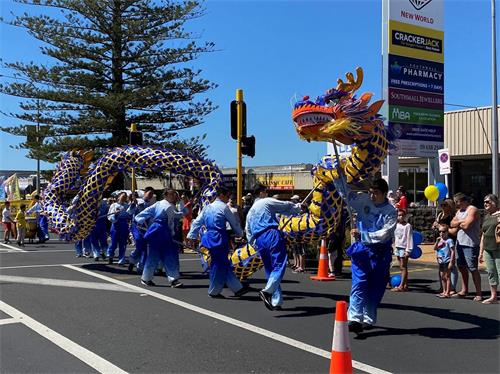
421, 219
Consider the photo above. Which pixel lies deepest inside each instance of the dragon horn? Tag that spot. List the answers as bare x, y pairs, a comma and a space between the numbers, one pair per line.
352, 84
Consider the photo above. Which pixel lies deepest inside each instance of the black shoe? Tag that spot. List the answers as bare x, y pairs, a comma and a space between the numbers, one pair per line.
175, 283
110, 260
86, 255
103, 255
130, 268
78, 256
266, 298
218, 296
277, 308
367, 326
148, 283
242, 291
96, 259
355, 327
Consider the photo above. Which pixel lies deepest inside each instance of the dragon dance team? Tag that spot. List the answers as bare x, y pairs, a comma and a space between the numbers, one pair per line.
155, 227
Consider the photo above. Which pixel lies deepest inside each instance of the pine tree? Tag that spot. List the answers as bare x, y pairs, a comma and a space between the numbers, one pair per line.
116, 62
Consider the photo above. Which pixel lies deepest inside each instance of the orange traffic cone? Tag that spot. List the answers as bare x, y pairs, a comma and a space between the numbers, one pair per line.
341, 362
323, 264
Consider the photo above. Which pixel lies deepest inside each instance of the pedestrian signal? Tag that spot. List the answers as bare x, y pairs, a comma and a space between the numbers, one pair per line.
248, 145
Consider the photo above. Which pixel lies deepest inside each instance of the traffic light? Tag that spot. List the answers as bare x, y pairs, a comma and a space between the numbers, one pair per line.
234, 120
135, 135
248, 145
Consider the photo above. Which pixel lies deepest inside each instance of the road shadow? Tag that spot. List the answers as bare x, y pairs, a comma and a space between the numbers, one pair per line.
486, 328
309, 310
421, 285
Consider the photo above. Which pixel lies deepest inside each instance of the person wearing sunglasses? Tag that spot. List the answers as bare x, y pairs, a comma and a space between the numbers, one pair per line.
489, 248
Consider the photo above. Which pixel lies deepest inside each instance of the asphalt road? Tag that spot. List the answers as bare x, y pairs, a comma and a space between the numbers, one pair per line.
63, 314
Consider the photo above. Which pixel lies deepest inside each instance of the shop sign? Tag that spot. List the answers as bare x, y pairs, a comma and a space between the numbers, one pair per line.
277, 182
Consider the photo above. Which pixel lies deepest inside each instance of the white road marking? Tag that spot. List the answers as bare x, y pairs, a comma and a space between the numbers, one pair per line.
11, 247
63, 283
39, 251
34, 266
91, 359
232, 321
8, 321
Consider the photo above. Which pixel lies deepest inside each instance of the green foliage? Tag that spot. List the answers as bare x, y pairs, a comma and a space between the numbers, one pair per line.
116, 62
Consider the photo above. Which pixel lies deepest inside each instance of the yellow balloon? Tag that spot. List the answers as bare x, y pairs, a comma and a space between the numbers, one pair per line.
431, 192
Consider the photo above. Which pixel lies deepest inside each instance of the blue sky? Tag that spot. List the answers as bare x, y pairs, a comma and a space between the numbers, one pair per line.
275, 50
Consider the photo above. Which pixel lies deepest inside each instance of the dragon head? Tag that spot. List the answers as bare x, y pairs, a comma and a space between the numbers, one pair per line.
338, 114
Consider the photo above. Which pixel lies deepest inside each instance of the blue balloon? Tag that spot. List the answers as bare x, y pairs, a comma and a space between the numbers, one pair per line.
443, 190
418, 238
416, 253
395, 280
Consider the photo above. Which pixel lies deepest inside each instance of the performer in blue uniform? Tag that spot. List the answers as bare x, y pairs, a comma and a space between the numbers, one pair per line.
83, 247
139, 255
262, 232
119, 218
214, 217
160, 235
371, 254
99, 234
41, 220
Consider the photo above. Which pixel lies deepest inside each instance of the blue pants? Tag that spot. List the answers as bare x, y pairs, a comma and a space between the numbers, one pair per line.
119, 238
84, 245
370, 274
161, 248
99, 239
42, 228
139, 255
221, 272
272, 249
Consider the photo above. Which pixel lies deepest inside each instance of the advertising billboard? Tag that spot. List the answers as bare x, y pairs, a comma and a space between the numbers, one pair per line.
414, 75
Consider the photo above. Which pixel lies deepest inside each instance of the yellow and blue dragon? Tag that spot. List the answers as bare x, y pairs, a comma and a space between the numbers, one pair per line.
338, 115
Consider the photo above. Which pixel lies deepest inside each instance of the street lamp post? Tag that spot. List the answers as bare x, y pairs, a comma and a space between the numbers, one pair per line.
37, 127
38, 142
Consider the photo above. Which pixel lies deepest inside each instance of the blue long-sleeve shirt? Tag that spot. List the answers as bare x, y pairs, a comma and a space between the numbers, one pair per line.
376, 222
118, 211
139, 206
162, 210
262, 215
36, 208
214, 217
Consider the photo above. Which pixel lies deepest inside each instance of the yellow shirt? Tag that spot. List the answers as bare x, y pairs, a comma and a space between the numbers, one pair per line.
21, 219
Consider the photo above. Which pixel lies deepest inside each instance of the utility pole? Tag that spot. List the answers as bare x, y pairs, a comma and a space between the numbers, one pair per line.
494, 117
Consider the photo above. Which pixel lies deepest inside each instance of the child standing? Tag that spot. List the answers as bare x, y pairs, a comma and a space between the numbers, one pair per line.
445, 252
403, 240
21, 225
7, 223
